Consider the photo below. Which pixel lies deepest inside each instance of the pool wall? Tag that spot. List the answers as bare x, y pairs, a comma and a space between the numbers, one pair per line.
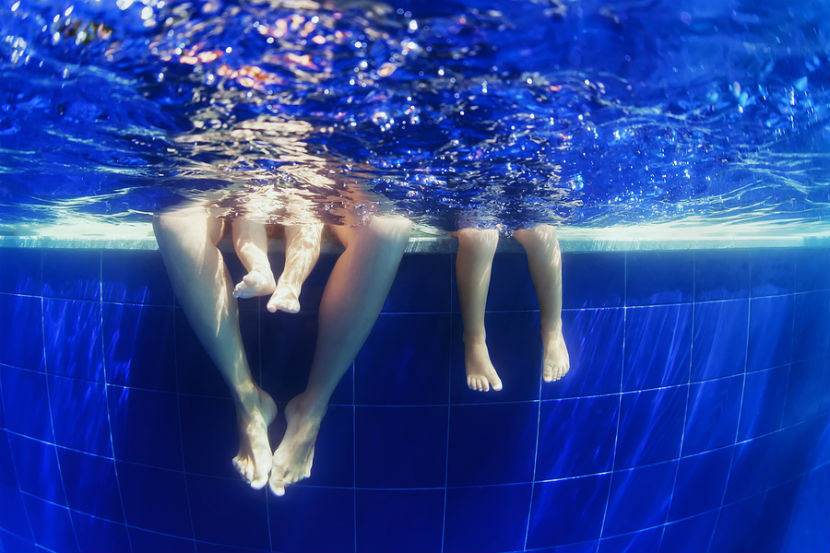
696, 416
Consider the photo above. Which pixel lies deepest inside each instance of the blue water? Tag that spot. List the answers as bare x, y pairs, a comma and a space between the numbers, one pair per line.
587, 113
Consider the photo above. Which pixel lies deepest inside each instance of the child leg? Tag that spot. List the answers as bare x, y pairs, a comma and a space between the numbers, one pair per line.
302, 249
251, 244
473, 264
545, 262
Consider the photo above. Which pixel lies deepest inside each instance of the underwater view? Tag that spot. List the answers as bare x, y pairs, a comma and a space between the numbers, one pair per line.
300, 276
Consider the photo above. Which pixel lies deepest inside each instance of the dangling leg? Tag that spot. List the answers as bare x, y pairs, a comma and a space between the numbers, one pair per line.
352, 300
473, 264
545, 261
302, 248
187, 239
251, 244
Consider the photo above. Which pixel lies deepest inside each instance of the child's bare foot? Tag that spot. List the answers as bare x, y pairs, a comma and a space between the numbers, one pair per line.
256, 283
557, 361
481, 375
285, 298
254, 459
293, 458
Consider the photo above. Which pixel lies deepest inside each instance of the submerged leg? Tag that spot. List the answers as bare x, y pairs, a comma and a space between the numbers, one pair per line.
187, 239
251, 244
473, 264
351, 302
302, 249
545, 261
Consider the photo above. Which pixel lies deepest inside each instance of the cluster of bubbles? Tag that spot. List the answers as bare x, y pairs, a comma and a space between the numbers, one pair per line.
543, 111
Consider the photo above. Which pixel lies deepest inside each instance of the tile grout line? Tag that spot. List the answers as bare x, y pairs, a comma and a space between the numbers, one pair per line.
109, 415
52, 423
619, 402
449, 408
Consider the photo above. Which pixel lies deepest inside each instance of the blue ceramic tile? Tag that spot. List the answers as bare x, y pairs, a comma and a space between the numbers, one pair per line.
150, 541
15, 544
196, 372
576, 436
72, 338
808, 390
712, 414
135, 277
515, 347
754, 469
639, 498
91, 485
582, 547
811, 335
651, 424
809, 530
422, 284
139, 342
770, 332
164, 490
551, 524
37, 468
658, 277
689, 536
737, 525
594, 338
405, 360
720, 338
288, 342
763, 403
331, 529
13, 516
690, 496
95, 534
8, 475
771, 532
334, 451
79, 412
26, 403
645, 540
21, 271
209, 435
144, 428
812, 269
486, 519
772, 272
51, 525
657, 346
72, 274
593, 280
21, 332
721, 274
511, 288
384, 520
238, 519
491, 444
401, 447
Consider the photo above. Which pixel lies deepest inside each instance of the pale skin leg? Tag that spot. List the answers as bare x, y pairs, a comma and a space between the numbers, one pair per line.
302, 249
545, 262
351, 302
473, 265
187, 238
251, 244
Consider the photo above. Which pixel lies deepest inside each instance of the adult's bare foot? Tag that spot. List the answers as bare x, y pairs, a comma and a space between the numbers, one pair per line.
293, 458
254, 459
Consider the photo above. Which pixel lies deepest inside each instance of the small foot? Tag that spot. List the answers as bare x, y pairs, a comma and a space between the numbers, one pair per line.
284, 299
256, 283
293, 458
481, 375
556, 362
254, 459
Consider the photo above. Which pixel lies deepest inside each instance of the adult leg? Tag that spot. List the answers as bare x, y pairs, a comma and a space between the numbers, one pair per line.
545, 261
302, 249
187, 239
251, 244
473, 264
351, 302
